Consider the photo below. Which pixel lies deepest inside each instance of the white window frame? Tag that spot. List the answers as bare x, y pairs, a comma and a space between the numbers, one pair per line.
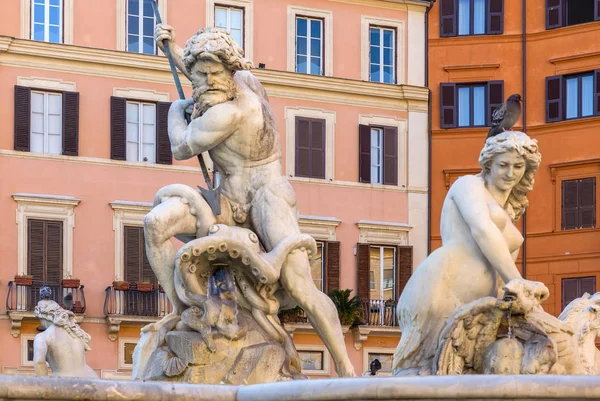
248, 6
121, 353
122, 22
141, 123
140, 17
24, 339
323, 250
326, 371
45, 207
381, 57
228, 24
401, 124
290, 140
365, 45
327, 36
379, 150
375, 350
65, 26
382, 268
46, 114
309, 38
126, 213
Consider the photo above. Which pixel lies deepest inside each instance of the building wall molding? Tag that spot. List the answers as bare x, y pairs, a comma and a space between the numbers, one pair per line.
327, 17
383, 232
46, 207
576, 63
46, 83
21, 53
320, 228
142, 94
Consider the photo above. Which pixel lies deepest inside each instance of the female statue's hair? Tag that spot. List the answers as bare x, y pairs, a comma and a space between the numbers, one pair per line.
215, 44
55, 314
527, 148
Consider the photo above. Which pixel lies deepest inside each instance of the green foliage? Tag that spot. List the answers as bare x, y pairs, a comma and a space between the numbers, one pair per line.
349, 309
295, 315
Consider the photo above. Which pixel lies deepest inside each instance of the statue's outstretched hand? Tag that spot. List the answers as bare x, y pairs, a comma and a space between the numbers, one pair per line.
164, 32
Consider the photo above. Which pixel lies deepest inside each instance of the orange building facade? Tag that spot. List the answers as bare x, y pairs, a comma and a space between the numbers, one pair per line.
83, 151
480, 52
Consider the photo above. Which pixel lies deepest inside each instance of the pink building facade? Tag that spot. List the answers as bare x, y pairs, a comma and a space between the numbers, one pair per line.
82, 153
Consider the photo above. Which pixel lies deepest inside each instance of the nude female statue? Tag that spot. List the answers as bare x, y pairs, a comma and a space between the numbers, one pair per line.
479, 242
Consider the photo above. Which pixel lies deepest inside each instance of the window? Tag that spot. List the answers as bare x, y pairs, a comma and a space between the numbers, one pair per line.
573, 288
561, 13
469, 105
128, 353
311, 360
471, 17
47, 21
140, 27
137, 267
579, 203
378, 155
382, 54
139, 131
385, 359
45, 251
579, 92
382, 268
310, 147
317, 268
314, 359
372, 280
46, 122
232, 20
573, 96
309, 45
125, 354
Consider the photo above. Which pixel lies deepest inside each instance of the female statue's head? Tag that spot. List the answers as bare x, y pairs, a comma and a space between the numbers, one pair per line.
509, 161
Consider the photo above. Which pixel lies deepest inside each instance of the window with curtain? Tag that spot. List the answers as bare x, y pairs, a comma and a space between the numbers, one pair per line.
47, 20
232, 20
382, 49
141, 132
309, 45
46, 122
382, 271
140, 27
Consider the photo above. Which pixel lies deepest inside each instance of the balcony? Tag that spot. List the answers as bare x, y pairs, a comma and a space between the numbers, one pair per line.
134, 307
22, 299
378, 318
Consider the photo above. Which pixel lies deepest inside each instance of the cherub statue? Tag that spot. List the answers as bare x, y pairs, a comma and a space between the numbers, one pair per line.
234, 122
479, 242
63, 344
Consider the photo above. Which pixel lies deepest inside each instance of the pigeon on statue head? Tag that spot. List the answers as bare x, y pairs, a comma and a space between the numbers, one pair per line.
506, 115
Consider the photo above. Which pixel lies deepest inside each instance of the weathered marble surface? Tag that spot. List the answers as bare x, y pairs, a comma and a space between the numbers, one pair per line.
237, 269
479, 243
364, 389
63, 344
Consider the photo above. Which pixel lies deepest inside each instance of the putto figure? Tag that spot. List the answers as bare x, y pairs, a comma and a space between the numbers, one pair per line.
63, 344
233, 122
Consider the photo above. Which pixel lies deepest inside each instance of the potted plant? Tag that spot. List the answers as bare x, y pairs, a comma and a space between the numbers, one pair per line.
78, 307
295, 315
25, 280
144, 286
69, 282
349, 309
120, 285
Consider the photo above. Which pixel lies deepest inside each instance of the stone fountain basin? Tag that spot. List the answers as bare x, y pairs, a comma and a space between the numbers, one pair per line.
475, 387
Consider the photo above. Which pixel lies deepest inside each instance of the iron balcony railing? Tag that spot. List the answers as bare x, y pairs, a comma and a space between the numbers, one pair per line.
25, 297
379, 312
134, 302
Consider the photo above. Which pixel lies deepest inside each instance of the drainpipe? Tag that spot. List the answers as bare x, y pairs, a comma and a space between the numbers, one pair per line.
429, 161
524, 109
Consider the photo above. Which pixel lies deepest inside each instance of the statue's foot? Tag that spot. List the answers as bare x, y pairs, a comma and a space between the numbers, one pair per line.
345, 370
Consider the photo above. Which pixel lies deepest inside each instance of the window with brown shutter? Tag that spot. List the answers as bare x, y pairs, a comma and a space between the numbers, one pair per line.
332, 266
448, 105
163, 144
378, 154
573, 96
471, 17
45, 251
137, 267
495, 98
404, 267
561, 13
117, 128
578, 203
573, 288
554, 95
66, 113
310, 147
469, 104
363, 261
